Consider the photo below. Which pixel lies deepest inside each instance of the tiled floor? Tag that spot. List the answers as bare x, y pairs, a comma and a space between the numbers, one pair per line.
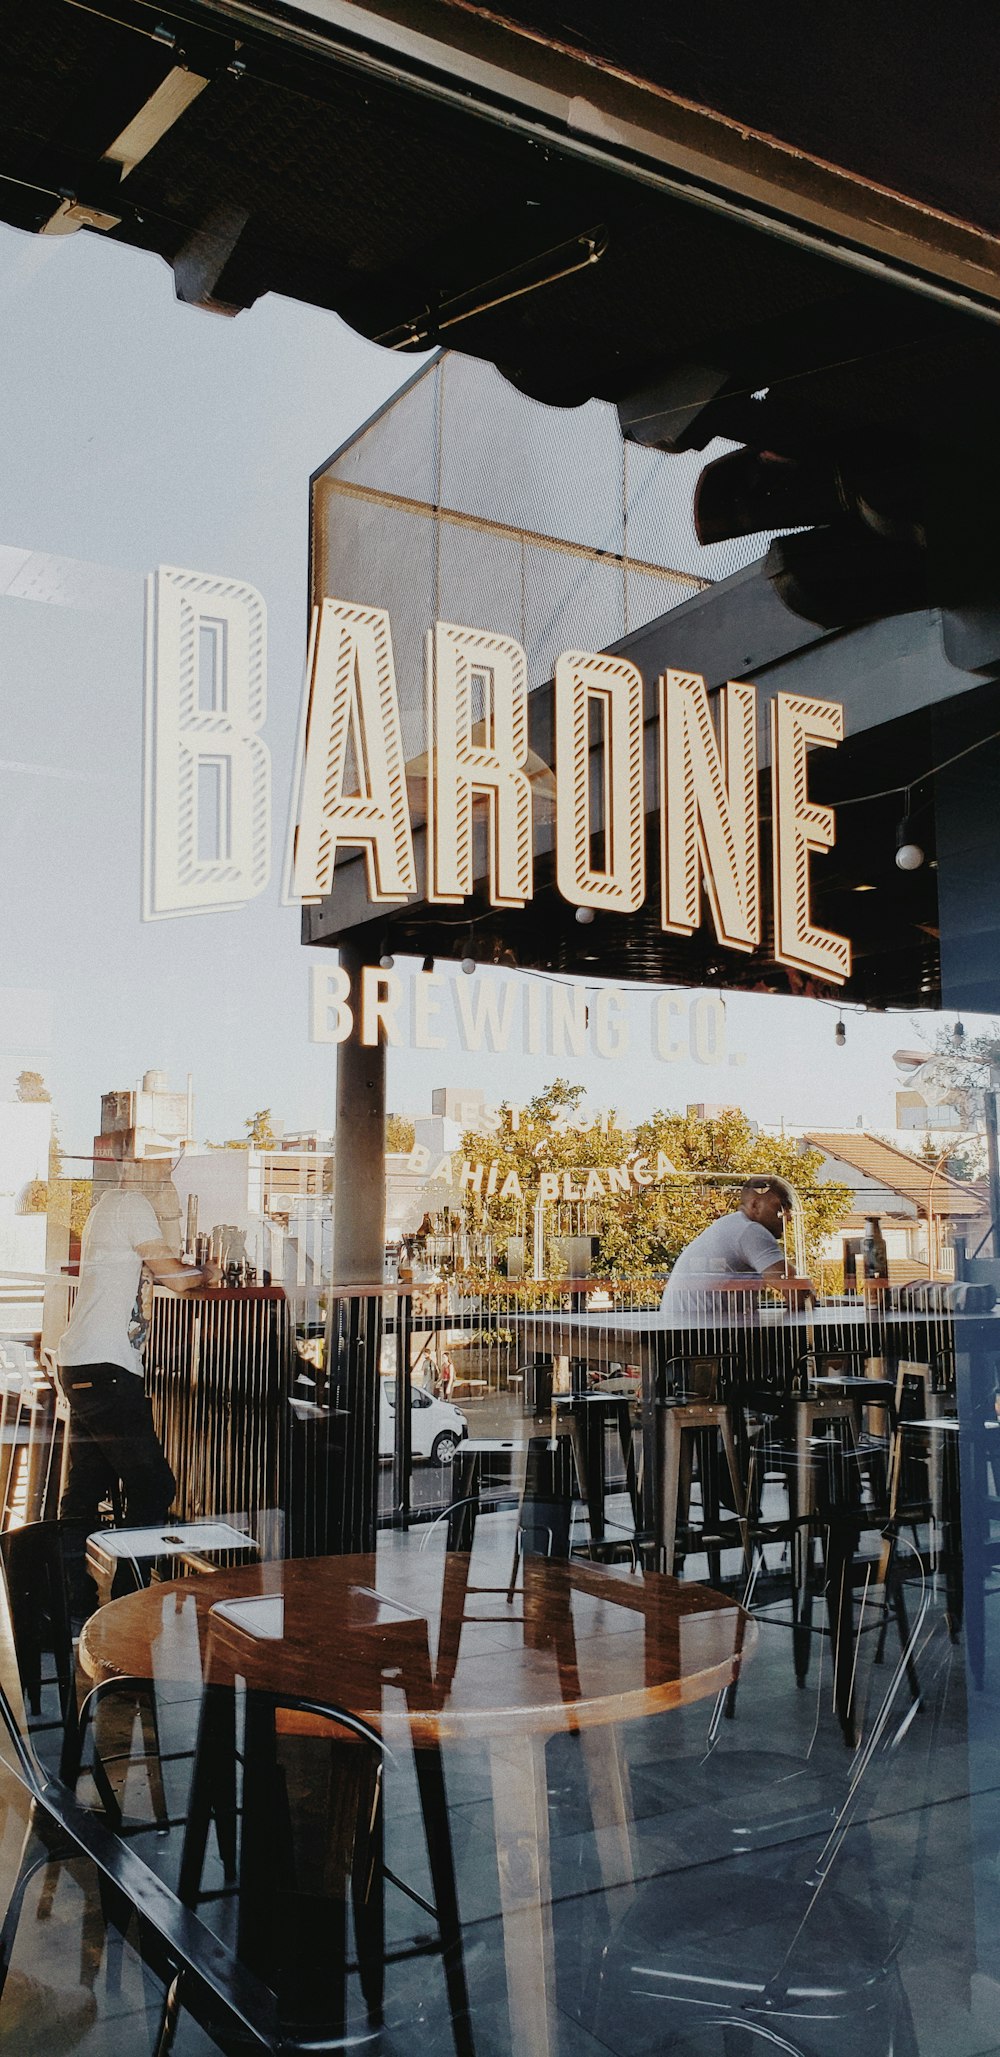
725, 1842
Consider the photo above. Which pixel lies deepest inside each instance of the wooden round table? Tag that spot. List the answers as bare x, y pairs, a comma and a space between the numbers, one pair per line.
578, 1648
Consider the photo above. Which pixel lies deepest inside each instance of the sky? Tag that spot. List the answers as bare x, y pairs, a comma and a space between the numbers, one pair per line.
138, 432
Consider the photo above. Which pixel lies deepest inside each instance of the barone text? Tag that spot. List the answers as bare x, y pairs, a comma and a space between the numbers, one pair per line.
205, 759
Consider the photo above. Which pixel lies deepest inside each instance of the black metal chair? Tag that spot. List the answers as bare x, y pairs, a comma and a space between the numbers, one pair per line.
202, 1975
41, 1564
296, 1869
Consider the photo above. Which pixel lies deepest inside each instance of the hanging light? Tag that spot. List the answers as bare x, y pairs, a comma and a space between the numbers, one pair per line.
840, 1034
958, 1035
909, 853
584, 915
386, 958
468, 961
428, 964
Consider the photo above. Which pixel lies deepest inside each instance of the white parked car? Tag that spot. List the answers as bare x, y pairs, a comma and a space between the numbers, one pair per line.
436, 1427
623, 1379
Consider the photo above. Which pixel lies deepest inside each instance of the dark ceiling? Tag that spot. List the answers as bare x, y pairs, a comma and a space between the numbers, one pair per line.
422, 214
338, 168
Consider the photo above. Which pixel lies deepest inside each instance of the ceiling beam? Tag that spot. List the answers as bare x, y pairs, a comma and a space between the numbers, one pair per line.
173, 96
593, 110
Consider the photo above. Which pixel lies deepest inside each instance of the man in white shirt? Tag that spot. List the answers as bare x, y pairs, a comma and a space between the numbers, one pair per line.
744, 1244
112, 1436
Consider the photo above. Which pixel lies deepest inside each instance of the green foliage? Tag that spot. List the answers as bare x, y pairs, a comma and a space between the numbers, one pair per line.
259, 1134
67, 1199
533, 1147
644, 1230
671, 1215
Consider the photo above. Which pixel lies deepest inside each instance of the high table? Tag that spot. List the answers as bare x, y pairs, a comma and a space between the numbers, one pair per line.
581, 1648
765, 1351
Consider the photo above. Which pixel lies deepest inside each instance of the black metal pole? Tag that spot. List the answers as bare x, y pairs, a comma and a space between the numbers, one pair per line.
993, 1158
402, 1450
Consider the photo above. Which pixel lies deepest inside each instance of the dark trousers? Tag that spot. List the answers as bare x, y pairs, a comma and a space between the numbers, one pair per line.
111, 1437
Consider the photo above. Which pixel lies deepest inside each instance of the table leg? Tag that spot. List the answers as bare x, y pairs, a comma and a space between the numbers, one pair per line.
521, 1826
593, 1437
610, 1803
628, 1453
465, 1507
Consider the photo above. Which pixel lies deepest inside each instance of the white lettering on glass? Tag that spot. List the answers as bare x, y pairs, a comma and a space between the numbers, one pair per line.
332, 1019
472, 752
708, 817
206, 769
801, 827
353, 777
613, 688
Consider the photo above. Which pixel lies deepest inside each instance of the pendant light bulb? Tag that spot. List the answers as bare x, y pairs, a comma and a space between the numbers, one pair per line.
909, 853
840, 1034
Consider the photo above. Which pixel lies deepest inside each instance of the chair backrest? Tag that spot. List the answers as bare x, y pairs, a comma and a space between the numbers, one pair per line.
228, 1998
40, 1628
545, 1516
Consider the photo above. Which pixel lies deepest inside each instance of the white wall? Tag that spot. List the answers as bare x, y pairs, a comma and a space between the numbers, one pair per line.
25, 1134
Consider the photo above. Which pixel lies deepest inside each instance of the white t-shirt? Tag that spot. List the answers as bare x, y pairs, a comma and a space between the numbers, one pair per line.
117, 1229
728, 1248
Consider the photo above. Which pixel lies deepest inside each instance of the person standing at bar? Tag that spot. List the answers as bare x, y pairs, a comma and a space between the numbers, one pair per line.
112, 1436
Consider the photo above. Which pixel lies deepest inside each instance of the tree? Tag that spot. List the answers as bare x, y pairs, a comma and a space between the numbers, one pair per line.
399, 1132
66, 1199
963, 1159
670, 1215
644, 1229
259, 1134
30, 1085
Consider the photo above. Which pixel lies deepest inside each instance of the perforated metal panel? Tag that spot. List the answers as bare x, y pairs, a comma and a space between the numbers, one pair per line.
465, 501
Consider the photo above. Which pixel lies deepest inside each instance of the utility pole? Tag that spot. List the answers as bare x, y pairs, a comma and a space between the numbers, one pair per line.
993, 1154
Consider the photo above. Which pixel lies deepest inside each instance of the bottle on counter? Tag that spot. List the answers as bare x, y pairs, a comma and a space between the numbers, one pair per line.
874, 1252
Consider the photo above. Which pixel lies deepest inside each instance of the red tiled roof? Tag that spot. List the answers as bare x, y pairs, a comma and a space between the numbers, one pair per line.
895, 1170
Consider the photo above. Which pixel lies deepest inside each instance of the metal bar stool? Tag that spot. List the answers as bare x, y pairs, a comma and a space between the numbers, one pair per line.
690, 1429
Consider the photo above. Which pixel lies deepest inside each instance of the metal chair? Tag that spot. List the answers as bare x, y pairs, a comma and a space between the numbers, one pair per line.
291, 1886
767, 1949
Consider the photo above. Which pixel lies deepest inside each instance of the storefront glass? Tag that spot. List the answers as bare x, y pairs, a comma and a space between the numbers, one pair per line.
560, 1122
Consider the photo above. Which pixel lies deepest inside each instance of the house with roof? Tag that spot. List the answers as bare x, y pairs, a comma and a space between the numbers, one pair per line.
921, 1209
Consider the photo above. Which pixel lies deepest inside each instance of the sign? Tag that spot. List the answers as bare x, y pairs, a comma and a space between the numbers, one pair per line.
206, 699
429, 1011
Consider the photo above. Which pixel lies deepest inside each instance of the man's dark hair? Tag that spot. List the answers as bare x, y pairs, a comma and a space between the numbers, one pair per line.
767, 1185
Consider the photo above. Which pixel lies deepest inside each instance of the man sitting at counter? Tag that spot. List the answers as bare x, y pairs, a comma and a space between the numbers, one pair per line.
740, 1245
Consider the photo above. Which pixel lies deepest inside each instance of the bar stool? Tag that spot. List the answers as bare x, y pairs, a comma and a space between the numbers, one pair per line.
588, 1416
295, 1869
193, 1544
688, 1429
918, 1398
823, 1463
467, 1475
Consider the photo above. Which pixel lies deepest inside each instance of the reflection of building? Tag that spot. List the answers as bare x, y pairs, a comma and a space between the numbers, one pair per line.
921, 1208
25, 1135
928, 1103
278, 1201
154, 1121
